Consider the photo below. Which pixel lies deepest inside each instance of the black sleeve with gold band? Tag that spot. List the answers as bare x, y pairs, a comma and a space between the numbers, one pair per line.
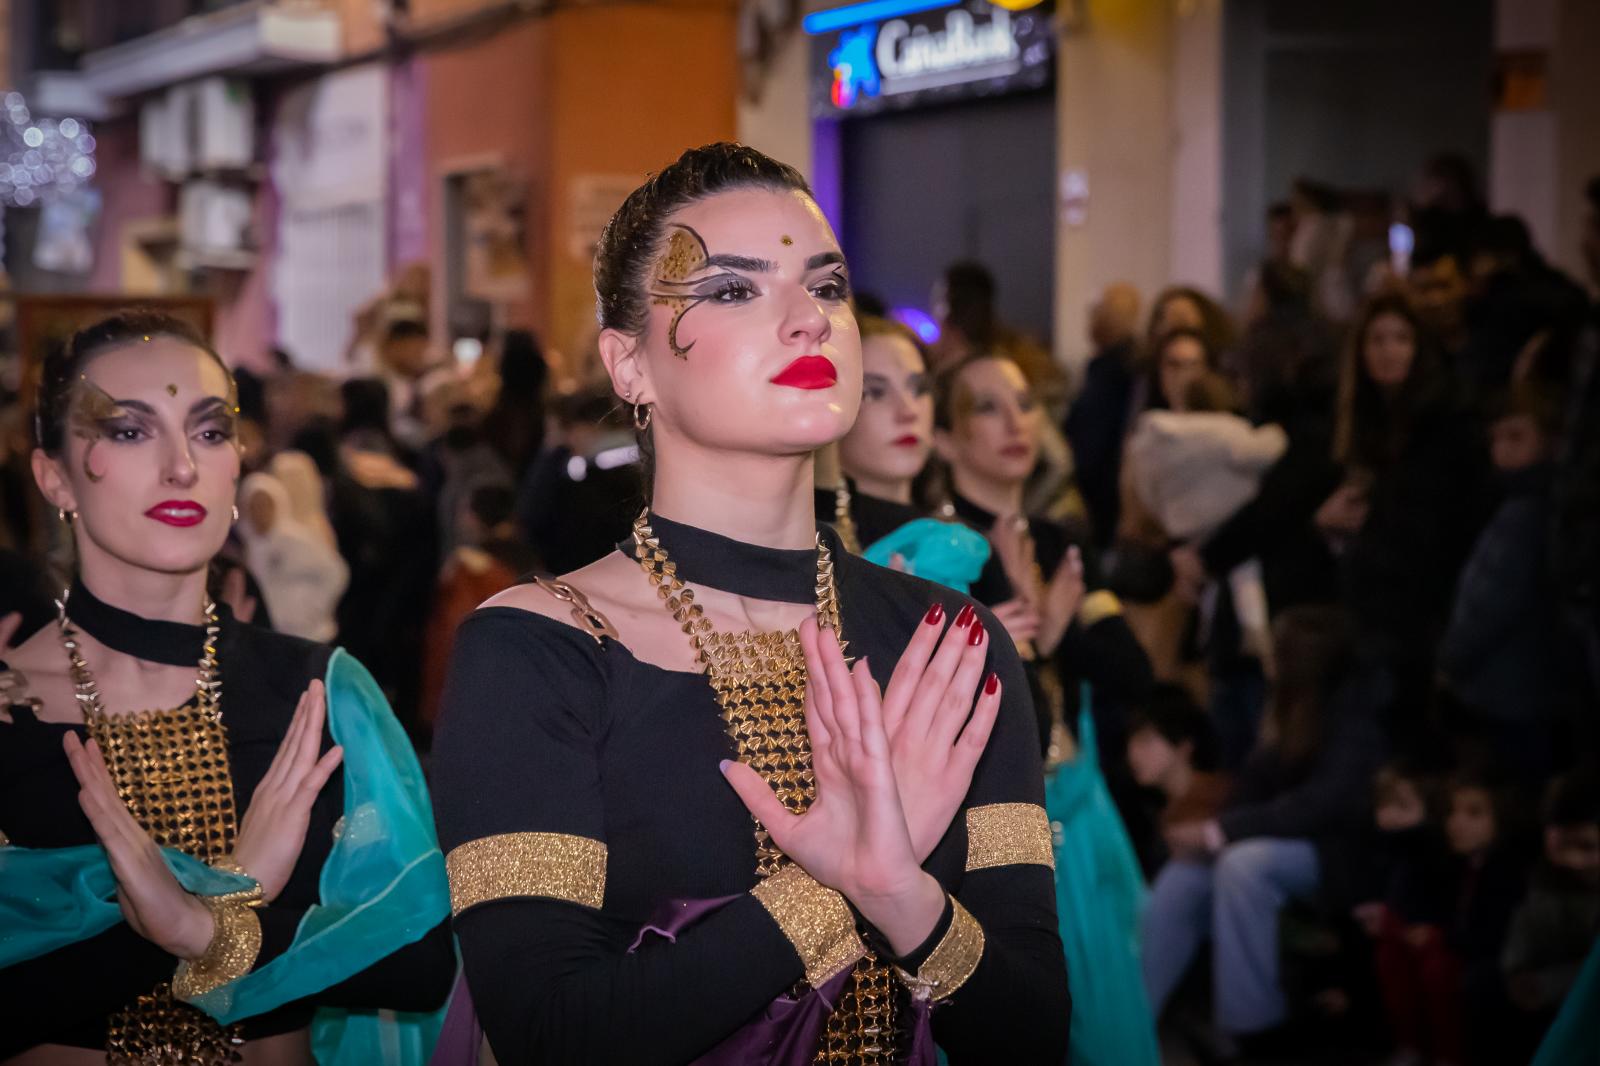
520, 802
577, 794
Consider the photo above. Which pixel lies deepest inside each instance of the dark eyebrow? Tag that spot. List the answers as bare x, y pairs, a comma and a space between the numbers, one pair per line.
741, 262
207, 405
822, 259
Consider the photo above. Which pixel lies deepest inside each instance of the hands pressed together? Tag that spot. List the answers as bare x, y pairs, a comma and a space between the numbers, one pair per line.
270, 838
892, 769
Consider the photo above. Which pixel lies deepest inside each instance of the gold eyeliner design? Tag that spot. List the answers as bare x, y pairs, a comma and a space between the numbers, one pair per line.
685, 257
92, 409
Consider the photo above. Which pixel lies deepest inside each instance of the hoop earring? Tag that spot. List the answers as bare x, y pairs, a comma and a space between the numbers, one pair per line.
642, 423
67, 517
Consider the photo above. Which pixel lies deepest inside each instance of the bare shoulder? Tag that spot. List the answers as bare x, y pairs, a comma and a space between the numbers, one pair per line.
36, 669
588, 598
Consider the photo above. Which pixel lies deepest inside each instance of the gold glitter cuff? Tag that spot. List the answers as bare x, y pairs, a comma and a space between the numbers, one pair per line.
555, 865
1098, 606
816, 920
953, 960
251, 896
232, 952
1003, 834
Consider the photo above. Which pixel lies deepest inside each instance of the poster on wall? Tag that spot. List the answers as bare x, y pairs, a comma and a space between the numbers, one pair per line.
887, 54
495, 225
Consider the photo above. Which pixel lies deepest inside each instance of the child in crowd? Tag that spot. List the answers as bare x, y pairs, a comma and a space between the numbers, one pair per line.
1440, 936
1172, 749
1499, 654
1405, 845
1553, 929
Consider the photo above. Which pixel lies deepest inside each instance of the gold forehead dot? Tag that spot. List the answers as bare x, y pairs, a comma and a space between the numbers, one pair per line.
787, 240
147, 338
172, 390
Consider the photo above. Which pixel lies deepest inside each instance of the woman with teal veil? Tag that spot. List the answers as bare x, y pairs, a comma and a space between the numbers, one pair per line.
251, 875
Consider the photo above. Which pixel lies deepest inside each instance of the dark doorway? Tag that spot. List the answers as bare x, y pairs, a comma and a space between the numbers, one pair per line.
923, 188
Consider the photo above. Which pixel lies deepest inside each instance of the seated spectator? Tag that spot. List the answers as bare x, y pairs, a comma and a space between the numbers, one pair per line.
1172, 748
1441, 935
1499, 654
1555, 926
1295, 807
1172, 751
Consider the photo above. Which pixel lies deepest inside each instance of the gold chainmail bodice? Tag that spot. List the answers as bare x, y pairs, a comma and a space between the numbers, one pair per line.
171, 771
760, 683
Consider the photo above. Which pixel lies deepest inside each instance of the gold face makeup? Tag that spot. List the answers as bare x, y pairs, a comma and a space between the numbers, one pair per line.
679, 286
684, 258
93, 416
96, 416
787, 240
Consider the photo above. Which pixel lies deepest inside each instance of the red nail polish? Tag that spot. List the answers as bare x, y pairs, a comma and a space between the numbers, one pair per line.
976, 636
935, 615
964, 616
991, 686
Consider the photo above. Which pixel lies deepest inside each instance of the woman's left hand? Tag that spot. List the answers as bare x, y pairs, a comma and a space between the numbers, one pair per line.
1062, 598
155, 905
274, 827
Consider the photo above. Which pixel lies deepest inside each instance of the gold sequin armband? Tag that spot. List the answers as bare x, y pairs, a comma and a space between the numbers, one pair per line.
816, 920
953, 960
1004, 834
553, 865
235, 943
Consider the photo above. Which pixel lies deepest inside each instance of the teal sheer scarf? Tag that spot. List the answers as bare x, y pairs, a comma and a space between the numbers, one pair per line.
1099, 893
947, 553
382, 887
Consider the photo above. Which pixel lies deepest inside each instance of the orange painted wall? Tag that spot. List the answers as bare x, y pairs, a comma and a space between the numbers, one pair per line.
638, 84
610, 90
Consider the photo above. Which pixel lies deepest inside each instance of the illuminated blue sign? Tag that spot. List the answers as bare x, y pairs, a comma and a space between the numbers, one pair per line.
896, 53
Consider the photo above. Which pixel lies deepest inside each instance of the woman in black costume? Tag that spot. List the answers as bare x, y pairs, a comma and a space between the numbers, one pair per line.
613, 900
137, 448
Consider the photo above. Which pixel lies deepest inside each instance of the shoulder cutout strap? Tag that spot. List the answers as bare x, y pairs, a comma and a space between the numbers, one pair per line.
587, 618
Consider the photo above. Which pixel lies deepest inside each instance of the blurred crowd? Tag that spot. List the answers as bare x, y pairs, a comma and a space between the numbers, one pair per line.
1351, 526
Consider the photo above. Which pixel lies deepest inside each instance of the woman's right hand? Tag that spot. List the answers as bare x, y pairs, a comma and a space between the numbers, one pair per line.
938, 721
853, 838
274, 826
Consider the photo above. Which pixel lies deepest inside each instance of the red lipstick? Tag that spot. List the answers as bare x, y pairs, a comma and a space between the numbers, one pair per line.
808, 372
177, 513
910, 440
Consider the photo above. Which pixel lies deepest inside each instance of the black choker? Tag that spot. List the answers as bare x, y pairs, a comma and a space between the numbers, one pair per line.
153, 640
785, 575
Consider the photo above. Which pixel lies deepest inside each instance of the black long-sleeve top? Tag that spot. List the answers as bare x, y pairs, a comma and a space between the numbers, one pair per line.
578, 790
66, 996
